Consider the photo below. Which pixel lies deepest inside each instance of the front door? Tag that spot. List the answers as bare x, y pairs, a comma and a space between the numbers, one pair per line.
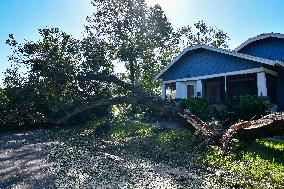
190, 91
213, 92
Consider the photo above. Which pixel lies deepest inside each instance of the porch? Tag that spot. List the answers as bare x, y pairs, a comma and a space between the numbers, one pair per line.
217, 89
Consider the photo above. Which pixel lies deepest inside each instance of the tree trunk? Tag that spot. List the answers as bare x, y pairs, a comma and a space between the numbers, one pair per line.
267, 126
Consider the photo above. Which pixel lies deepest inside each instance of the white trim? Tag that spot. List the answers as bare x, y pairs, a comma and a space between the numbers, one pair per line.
271, 72
199, 87
223, 51
181, 89
163, 90
261, 84
248, 71
259, 37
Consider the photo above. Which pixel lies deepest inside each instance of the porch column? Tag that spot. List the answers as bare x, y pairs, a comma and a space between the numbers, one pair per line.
261, 84
199, 88
163, 90
181, 90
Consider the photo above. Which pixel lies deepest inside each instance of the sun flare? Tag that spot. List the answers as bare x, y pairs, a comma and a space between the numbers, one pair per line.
163, 3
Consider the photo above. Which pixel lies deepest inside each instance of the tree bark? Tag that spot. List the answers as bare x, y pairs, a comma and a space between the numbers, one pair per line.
267, 126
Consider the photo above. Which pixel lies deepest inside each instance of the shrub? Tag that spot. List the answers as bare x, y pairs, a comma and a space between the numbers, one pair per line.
247, 107
238, 108
3, 102
197, 106
218, 112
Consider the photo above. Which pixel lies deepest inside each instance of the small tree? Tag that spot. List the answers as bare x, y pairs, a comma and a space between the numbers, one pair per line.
201, 33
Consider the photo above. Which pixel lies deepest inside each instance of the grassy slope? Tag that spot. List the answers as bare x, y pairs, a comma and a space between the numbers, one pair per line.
123, 154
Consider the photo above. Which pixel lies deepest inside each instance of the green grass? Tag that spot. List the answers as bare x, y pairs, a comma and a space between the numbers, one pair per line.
273, 144
259, 164
155, 137
124, 130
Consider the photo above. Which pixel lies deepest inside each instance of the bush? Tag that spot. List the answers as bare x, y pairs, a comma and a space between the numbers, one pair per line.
247, 107
238, 108
218, 112
197, 106
3, 102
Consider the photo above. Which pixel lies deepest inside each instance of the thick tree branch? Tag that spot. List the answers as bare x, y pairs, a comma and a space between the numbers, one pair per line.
268, 126
191, 122
168, 107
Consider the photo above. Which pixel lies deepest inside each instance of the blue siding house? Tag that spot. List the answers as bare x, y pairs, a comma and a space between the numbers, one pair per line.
256, 67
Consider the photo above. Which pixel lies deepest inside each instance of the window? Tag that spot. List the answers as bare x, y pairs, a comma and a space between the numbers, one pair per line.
213, 92
190, 91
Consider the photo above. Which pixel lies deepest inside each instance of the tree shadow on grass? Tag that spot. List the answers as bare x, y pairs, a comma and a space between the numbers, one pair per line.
99, 154
162, 146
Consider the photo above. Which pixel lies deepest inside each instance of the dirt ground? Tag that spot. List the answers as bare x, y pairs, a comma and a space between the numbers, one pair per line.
23, 160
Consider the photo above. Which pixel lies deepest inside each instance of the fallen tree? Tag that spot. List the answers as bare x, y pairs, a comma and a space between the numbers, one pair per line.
267, 126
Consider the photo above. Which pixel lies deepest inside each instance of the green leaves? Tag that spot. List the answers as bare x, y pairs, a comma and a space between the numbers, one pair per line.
247, 107
49, 77
201, 33
137, 34
197, 106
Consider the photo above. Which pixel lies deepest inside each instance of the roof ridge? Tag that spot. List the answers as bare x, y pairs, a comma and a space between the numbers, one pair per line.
259, 37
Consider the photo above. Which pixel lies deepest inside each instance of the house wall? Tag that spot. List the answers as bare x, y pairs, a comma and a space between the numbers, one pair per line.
181, 89
271, 48
204, 62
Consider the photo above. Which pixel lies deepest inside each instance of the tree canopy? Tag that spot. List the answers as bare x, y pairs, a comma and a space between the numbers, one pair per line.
143, 39
49, 77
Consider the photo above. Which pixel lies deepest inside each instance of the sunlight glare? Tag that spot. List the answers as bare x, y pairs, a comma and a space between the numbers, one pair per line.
163, 3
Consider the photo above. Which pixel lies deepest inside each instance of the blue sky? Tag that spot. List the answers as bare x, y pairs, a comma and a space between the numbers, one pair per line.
241, 19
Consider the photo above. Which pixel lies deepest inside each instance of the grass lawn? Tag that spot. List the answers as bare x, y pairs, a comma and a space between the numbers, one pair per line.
124, 154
